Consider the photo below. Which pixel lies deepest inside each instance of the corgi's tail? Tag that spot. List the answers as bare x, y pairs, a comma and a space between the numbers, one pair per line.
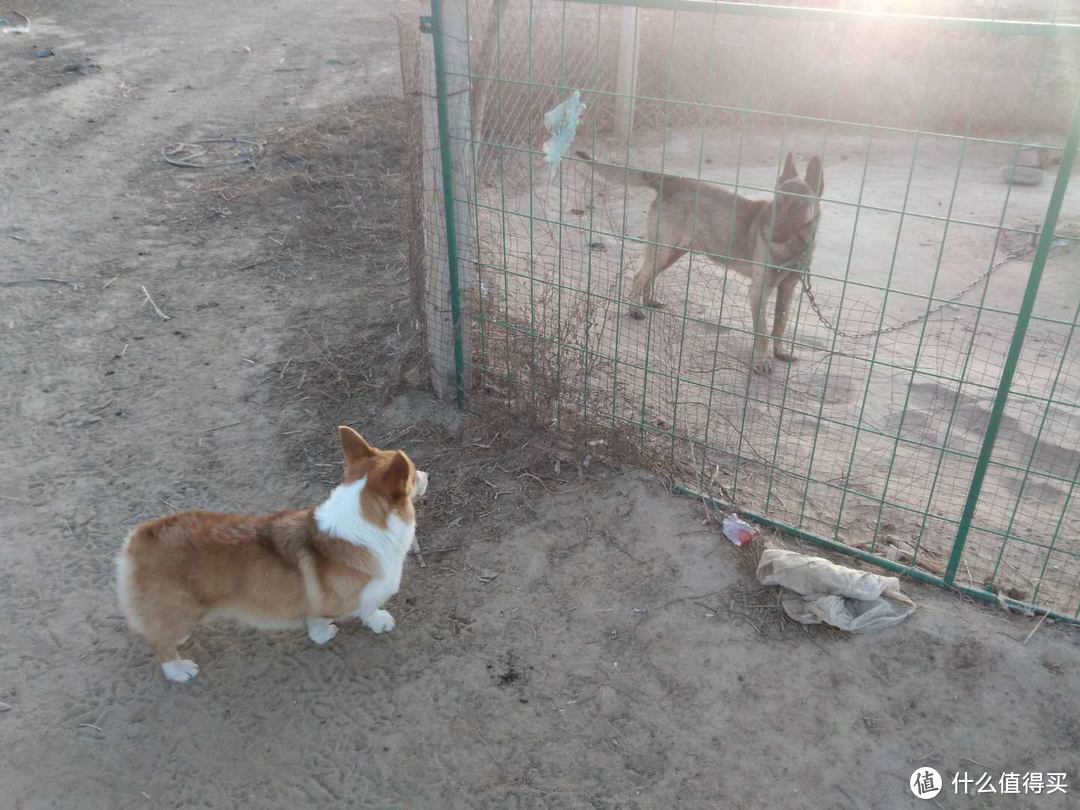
125, 572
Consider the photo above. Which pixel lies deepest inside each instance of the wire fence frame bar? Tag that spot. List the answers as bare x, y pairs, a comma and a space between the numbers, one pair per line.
1042, 250
992, 26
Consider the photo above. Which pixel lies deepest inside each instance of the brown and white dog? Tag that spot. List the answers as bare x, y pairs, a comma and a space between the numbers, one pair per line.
340, 559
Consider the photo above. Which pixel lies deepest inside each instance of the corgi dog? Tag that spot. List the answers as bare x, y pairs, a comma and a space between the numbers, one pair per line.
340, 559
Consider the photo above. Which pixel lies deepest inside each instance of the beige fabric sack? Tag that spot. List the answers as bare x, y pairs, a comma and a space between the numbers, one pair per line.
816, 590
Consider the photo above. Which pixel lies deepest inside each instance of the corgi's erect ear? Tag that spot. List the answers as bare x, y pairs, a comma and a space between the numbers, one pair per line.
789, 172
353, 446
815, 177
394, 482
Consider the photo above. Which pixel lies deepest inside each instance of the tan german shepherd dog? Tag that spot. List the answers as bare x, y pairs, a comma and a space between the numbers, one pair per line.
768, 241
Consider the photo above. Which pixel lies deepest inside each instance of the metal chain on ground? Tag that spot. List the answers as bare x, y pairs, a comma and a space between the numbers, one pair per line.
985, 274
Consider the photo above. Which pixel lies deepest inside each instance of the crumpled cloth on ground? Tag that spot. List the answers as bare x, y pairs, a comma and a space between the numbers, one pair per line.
816, 590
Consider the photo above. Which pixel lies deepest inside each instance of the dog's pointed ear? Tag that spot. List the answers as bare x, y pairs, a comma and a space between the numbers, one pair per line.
394, 482
815, 177
353, 446
789, 172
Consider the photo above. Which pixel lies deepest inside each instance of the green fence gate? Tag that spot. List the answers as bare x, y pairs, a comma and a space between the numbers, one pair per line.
931, 422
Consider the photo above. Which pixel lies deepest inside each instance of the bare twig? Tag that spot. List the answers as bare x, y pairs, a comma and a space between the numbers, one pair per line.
253, 264
157, 309
222, 427
811, 639
40, 280
854, 803
1033, 629
495, 490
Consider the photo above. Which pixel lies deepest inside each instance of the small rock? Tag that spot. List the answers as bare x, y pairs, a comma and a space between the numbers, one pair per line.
5, 707
1022, 175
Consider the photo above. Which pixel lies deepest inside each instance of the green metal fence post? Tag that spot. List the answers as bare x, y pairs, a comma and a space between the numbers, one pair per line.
1023, 318
446, 165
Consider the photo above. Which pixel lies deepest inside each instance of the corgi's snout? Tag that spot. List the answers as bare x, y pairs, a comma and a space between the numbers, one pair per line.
421, 483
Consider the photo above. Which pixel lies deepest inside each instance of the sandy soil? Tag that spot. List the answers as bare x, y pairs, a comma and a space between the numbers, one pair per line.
573, 641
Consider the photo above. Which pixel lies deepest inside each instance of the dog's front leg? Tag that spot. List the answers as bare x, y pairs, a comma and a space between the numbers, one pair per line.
784, 294
370, 611
759, 303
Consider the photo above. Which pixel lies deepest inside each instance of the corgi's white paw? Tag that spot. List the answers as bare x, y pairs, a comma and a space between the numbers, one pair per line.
180, 670
380, 622
321, 630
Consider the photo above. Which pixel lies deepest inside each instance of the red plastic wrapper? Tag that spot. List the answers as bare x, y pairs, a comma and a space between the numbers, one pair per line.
738, 531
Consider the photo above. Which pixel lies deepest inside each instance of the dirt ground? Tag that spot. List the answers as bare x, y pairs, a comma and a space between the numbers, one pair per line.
574, 640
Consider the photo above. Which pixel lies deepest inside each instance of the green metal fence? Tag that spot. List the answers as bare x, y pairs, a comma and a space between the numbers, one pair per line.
931, 421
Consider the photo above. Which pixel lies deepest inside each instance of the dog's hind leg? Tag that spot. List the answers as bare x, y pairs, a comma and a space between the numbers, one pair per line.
785, 292
167, 623
656, 260
164, 638
659, 256
321, 631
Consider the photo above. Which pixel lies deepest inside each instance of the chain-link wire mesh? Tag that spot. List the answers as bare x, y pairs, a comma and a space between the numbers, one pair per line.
921, 258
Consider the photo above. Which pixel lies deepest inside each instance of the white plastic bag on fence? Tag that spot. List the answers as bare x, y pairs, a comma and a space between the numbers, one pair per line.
816, 590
